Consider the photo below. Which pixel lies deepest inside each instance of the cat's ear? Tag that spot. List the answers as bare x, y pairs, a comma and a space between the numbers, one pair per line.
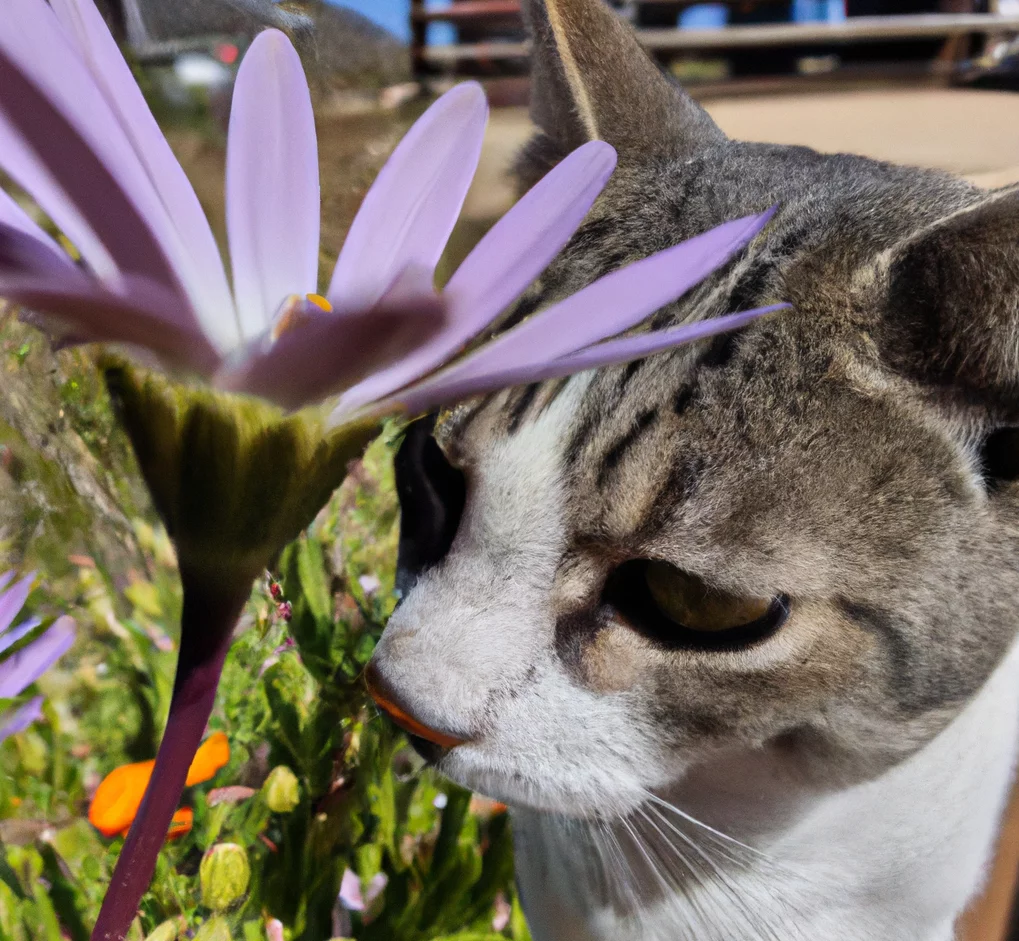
591, 80
953, 303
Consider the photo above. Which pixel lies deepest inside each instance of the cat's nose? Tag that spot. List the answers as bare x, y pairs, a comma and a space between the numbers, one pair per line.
386, 699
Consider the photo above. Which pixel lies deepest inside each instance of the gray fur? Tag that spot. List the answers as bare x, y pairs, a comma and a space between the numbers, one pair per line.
830, 453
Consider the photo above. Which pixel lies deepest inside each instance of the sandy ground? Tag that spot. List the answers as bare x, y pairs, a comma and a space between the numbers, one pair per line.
972, 133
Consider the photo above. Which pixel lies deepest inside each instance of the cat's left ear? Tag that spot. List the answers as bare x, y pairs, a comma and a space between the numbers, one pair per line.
953, 314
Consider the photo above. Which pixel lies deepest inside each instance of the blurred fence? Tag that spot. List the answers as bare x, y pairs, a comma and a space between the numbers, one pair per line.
791, 40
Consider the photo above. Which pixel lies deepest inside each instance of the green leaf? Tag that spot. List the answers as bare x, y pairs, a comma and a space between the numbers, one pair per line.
314, 580
63, 894
47, 926
9, 877
280, 692
453, 818
518, 923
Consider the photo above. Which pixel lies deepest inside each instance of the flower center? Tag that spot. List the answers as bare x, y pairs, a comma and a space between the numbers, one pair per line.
293, 312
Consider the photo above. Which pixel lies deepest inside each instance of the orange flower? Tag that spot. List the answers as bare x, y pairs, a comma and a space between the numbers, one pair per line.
212, 755
117, 799
180, 824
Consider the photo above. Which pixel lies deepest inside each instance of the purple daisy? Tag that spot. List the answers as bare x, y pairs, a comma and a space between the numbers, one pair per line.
22, 668
77, 135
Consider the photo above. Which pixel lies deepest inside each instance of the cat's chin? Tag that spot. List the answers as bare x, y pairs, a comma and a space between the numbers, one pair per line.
519, 790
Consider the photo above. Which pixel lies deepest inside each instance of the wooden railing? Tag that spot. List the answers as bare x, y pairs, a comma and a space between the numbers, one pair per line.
492, 42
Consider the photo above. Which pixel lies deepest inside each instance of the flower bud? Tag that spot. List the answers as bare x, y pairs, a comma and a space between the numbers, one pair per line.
167, 931
224, 875
282, 790
215, 929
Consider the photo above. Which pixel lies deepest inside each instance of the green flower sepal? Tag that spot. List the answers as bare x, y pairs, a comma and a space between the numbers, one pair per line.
234, 478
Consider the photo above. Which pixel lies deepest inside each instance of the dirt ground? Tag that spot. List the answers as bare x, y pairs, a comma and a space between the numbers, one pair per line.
972, 133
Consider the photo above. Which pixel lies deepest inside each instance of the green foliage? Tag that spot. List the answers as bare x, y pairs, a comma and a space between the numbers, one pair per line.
349, 796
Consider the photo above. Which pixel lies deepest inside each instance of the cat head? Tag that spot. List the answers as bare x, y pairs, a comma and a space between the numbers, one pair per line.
794, 544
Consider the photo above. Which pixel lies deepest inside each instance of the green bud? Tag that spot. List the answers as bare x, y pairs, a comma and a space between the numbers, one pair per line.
167, 931
282, 790
215, 929
224, 876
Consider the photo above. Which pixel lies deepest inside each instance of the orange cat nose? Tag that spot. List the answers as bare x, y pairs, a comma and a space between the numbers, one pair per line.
385, 699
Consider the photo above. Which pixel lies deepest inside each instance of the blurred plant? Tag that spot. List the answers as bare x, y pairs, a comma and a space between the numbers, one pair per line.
372, 848
27, 651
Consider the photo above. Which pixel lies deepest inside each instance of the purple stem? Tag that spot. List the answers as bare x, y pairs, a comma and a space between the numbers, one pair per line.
207, 623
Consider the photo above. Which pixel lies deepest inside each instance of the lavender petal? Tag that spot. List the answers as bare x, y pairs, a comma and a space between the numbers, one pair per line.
13, 600
609, 306
143, 315
10, 637
17, 720
201, 265
350, 891
50, 100
272, 189
609, 353
12, 215
408, 214
26, 666
23, 254
330, 353
513, 253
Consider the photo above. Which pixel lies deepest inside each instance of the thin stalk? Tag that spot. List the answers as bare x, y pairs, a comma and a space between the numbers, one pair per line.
207, 624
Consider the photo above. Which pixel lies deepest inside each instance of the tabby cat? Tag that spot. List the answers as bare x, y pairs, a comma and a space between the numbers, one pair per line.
731, 628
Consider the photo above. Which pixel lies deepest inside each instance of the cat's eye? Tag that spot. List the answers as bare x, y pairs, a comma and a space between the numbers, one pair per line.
999, 458
432, 494
679, 609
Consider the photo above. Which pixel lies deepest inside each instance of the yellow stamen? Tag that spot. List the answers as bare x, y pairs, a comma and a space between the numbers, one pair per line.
68, 246
320, 302
293, 313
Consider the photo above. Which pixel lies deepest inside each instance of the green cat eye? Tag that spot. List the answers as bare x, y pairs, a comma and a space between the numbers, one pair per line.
678, 609
689, 602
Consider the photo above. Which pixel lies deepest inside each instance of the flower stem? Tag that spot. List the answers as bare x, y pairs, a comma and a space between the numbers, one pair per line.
207, 623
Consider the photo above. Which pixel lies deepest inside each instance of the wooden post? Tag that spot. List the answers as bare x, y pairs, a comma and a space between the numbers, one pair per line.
418, 38
989, 917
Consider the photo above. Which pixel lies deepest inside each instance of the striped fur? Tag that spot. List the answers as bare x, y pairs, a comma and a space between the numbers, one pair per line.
832, 454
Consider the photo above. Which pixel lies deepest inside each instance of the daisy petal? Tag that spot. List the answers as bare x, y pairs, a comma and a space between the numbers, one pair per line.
513, 253
409, 212
206, 276
11, 214
23, 165
28, 664
59, 153
143, 315
5, 579
12, 601
10, 637
456, 388
22, 253
17, 720
272, 189
330, 353
609, 306
53, 80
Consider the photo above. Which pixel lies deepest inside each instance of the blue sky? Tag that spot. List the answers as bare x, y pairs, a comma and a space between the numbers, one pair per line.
389, 13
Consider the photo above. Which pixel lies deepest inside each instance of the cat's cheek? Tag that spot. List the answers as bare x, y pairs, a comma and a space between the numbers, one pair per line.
612, 662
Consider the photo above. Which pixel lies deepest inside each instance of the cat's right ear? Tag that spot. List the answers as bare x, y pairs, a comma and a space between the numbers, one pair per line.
591, 80
953, 304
